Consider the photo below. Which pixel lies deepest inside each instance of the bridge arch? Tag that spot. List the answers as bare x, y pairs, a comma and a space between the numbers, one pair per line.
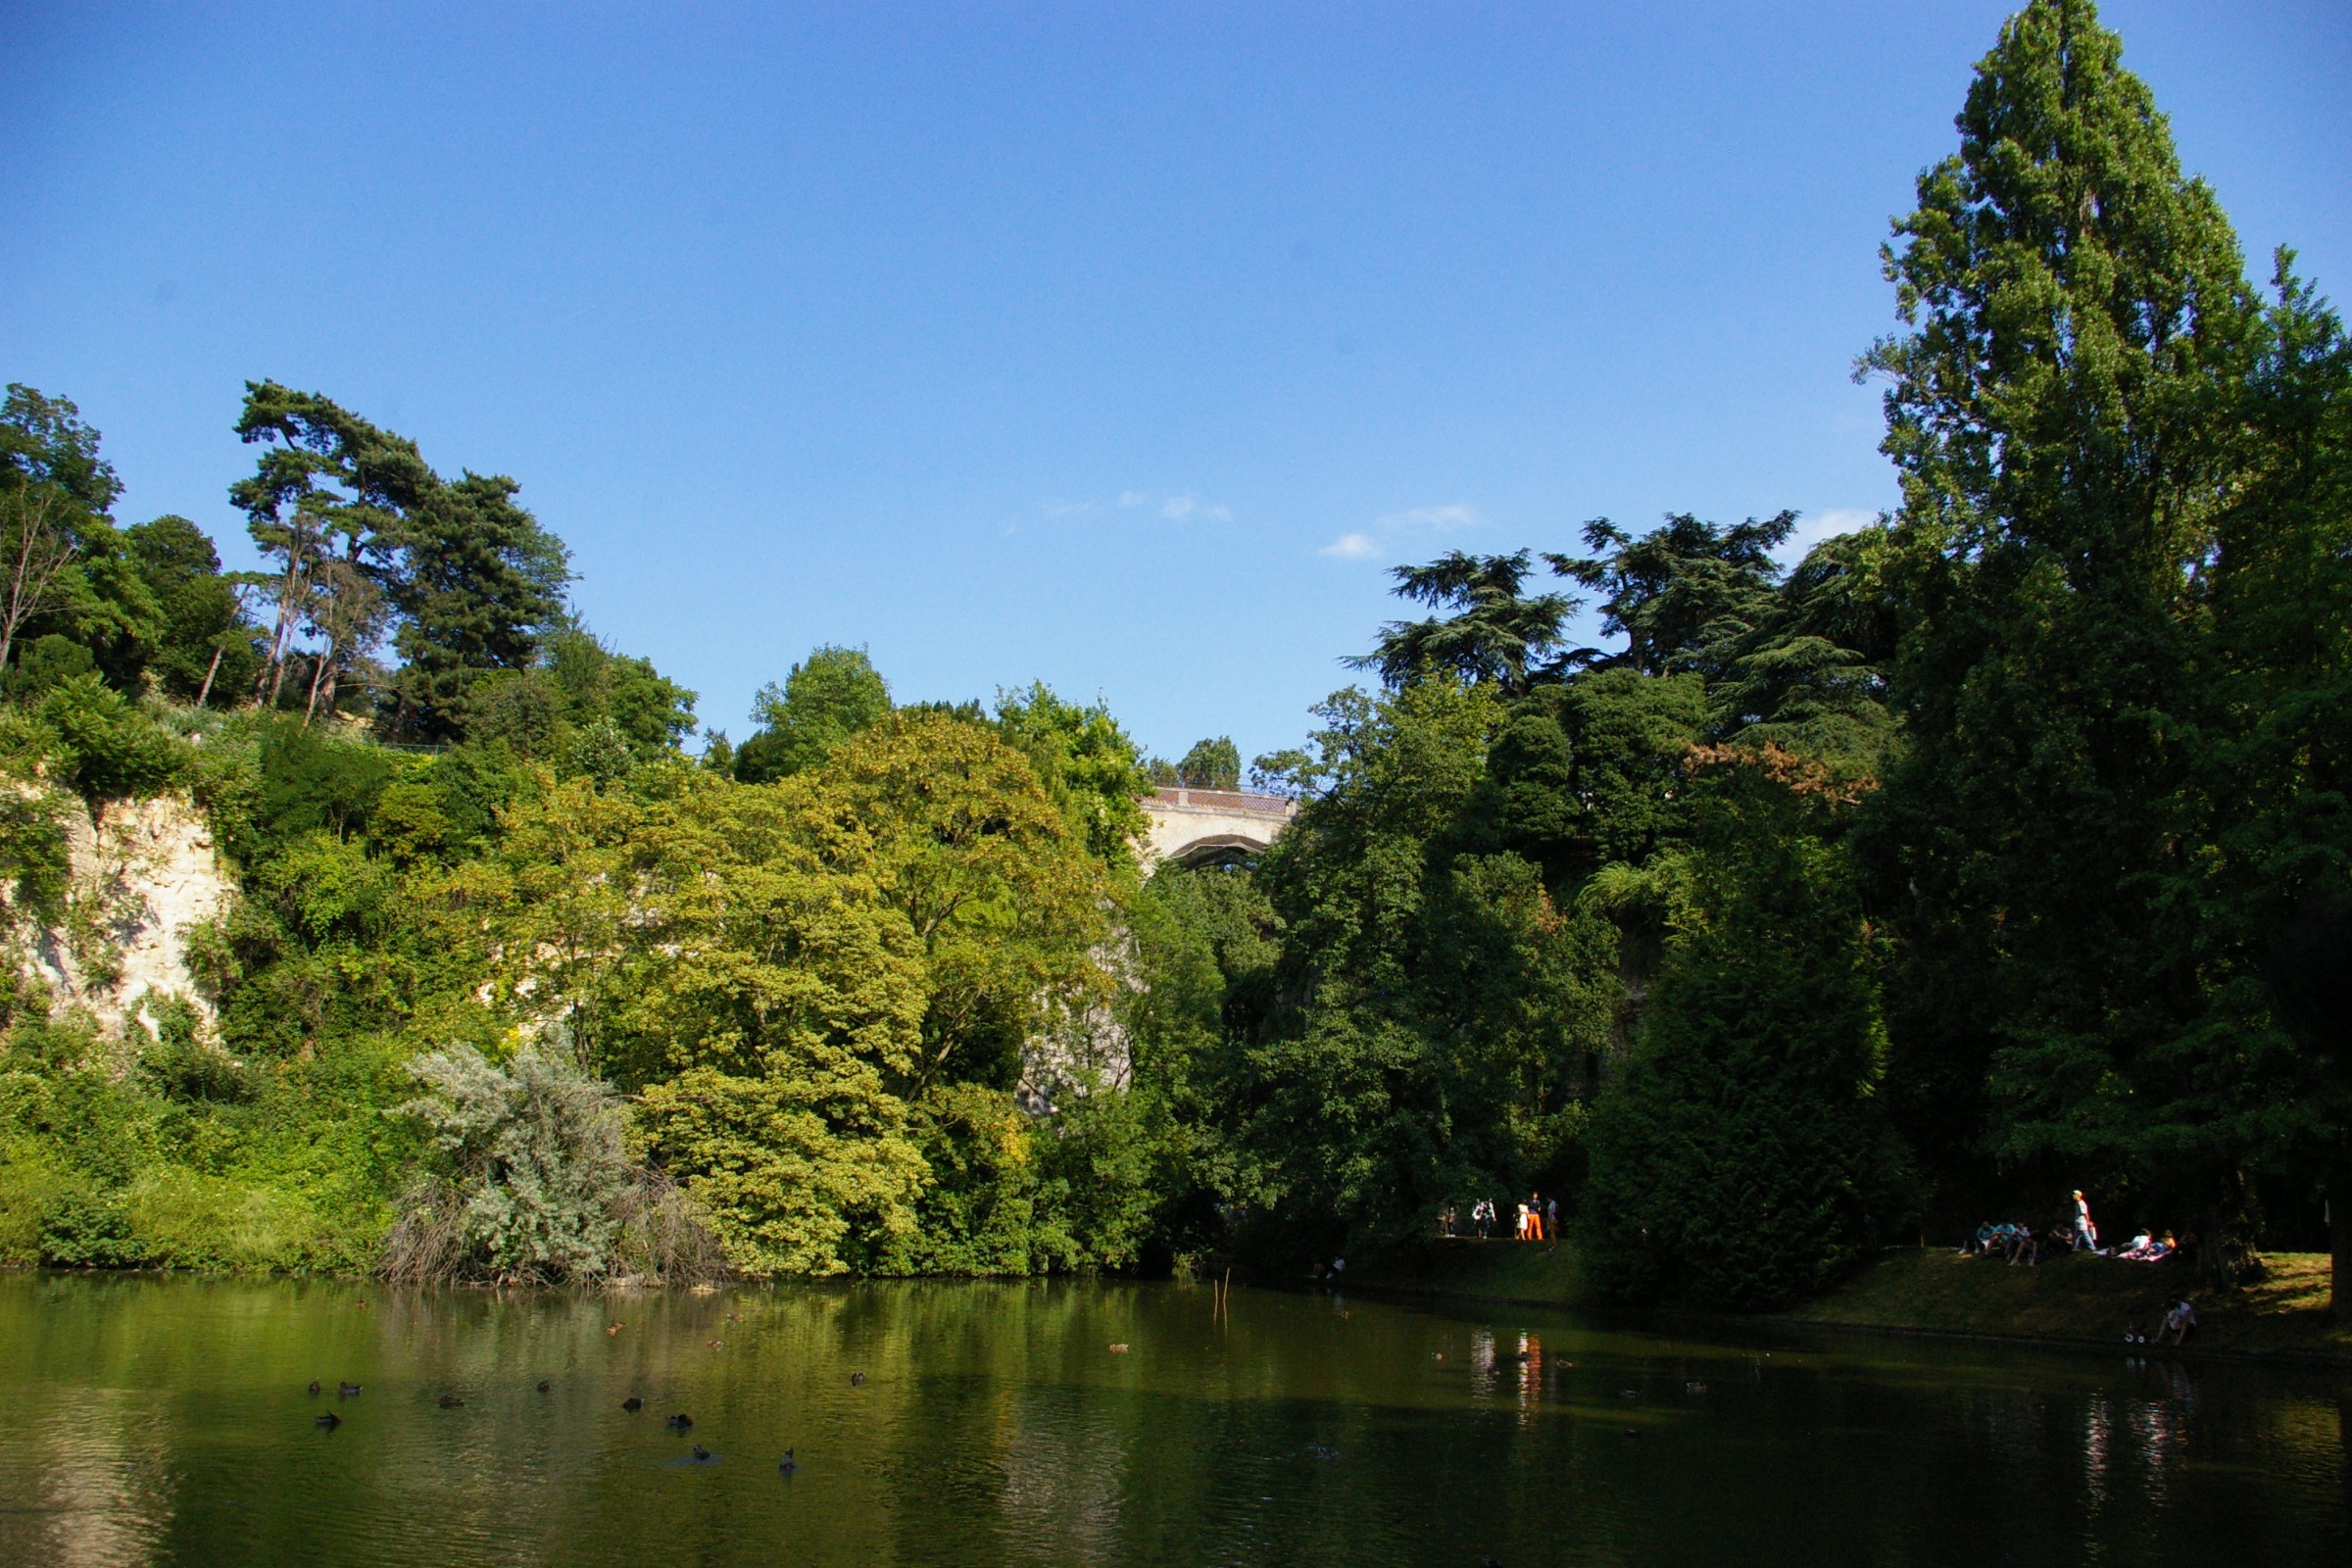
1204, 827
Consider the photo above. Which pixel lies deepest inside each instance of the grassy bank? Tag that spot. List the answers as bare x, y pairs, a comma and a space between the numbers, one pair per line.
2077, 1296
2072, 1296
1533, 1272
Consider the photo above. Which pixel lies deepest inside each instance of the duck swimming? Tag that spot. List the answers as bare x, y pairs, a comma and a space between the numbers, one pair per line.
856, 1379
543, 1385
632, 1404
449, 1402
701, 1453
788, 1464
331, 1421
347, 1391
314, 1384
679, 1422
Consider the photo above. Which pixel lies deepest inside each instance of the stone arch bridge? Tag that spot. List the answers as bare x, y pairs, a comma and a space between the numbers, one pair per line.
1202, 827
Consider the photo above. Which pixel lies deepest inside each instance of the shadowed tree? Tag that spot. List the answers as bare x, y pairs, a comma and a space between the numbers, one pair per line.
1491, 631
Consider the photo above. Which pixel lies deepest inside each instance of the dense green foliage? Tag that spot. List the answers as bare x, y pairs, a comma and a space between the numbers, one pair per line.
1999, 847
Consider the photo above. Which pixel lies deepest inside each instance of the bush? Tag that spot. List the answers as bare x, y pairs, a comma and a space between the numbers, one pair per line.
86, 1227
533, 1179
108, 747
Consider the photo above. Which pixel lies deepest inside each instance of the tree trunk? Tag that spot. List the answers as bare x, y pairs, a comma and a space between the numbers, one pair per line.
205, 690
318, 674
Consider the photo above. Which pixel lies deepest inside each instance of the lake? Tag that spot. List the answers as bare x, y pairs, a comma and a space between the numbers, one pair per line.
166, 1420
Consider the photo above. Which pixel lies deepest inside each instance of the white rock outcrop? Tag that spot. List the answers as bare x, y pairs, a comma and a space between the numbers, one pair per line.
143, 874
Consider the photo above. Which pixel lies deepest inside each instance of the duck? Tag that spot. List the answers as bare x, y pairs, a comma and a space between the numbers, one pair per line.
632, 1404
715, 1344
701, 1453
788, 1464
543, 1385
314, 1384
347, 1391
679, 1422
331, 1421
449, 1402
857, 1379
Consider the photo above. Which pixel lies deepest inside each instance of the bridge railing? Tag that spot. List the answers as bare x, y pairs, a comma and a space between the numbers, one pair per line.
1178, 797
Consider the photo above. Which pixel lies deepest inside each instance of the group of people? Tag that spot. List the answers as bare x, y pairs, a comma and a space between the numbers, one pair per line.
2023, 1244
1536, 1220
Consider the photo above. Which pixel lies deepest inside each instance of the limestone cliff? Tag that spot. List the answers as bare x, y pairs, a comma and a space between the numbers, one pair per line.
141, 874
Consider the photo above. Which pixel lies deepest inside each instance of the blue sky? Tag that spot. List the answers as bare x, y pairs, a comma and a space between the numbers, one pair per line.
1118, 346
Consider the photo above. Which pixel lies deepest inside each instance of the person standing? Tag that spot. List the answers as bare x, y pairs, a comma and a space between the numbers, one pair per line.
1551, 1220
1534, 1216
2087, 1235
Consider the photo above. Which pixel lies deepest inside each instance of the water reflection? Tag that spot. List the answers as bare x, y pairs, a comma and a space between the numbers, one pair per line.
164, 1421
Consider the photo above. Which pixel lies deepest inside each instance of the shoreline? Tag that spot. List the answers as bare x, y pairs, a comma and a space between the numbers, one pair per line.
1932, 1295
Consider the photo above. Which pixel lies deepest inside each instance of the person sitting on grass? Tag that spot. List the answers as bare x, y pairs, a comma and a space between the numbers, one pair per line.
2144, 1248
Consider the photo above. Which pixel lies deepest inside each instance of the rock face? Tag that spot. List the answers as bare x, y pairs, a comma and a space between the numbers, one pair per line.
143, 872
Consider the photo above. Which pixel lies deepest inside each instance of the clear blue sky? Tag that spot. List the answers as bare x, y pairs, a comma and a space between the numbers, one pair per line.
1122, 346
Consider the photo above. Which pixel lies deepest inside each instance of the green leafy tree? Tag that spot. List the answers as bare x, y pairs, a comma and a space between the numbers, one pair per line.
1085, 763
203, 641
825, 698
1742, 1162
1211, 764
63, 569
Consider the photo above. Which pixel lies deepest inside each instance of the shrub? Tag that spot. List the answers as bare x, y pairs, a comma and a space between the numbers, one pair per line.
534, 1172
107, 747
536, 1186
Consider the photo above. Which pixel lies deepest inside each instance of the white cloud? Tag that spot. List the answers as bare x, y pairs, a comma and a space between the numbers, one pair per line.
1456, 516
1180, 509
1068, 509
1177, 509
1392, 530
1812, 527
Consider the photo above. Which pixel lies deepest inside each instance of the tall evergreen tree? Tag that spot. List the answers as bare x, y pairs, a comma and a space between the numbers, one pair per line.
2060, 409
477, 584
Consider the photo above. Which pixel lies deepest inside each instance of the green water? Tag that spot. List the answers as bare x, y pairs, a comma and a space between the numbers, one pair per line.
166, 1421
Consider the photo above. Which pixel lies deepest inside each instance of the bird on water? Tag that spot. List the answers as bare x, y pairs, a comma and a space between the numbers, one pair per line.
679, 1422
701, 1453
314, 1384
449, 1402
331, 1421
347, 1391
856, 1379
632, 1404
788, 1464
